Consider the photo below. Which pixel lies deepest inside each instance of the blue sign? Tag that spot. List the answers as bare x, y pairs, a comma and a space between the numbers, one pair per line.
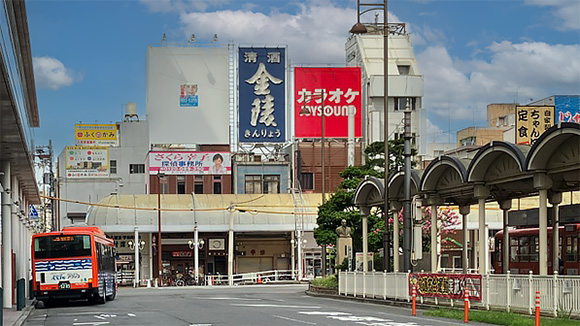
567, 108
262, 95
32, 213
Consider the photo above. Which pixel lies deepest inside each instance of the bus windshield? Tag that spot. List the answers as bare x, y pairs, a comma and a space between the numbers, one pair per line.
61, 246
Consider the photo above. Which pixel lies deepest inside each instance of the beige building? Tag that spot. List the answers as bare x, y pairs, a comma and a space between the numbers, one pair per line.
500, 118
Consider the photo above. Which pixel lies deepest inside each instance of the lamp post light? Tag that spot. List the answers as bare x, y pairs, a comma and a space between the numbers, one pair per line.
196, 245
137, 246
159, 248
299, 244
360, 28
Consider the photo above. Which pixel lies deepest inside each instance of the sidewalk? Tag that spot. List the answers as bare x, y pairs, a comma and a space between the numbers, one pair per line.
13, 317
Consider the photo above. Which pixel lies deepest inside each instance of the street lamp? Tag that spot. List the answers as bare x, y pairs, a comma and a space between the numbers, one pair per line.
295, 244
137, 246
360, 28
196, 244
159, 251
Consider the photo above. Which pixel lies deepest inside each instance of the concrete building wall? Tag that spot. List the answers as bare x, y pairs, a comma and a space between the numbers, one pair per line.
242, 169
132, 149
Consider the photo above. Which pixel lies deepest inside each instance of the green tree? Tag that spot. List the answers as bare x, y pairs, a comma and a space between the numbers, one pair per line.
341, 203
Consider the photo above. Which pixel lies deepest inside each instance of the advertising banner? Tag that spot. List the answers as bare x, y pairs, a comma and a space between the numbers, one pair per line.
262, 95
567, 108
449, 286
332, 90
87, 162
187, 162
531, 122
96, 134
188, 96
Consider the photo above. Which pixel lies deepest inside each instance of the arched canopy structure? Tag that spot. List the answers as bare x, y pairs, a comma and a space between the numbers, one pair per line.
446, 178
397, 188
502, 167
557, 153
369, 193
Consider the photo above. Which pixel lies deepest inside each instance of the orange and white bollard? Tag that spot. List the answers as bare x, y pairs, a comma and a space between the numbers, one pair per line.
466, 306
414, 301
537, 308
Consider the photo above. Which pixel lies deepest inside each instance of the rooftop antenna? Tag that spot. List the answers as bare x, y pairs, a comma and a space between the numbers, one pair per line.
191, 39
163, 39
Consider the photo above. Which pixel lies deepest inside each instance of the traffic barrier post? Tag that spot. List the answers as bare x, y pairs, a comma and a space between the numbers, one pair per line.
414, 301
466, 306
537, 308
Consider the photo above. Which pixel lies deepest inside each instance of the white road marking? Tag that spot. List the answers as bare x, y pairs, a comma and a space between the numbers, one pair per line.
274, 306
294, 320
93, 323
80, 313
323, 313
100, 317
237, 299
200, 325
131, 315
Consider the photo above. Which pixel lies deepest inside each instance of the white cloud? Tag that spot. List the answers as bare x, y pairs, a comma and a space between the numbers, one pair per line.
51, 73
514, 72
436, 134
566, 12
315, 34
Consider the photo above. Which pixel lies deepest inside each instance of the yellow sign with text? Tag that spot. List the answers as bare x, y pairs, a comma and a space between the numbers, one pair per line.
96, 134
531, 122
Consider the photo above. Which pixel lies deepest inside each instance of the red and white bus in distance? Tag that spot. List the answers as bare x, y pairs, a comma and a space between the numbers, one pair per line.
75, 263
525, 245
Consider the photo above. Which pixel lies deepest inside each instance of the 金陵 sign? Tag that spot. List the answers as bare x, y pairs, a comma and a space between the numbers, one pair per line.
87, 162
186, 162
531, 122
96, 134
329, 91
449, 286
262, 95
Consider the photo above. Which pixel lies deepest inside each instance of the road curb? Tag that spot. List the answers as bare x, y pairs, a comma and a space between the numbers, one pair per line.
25, 313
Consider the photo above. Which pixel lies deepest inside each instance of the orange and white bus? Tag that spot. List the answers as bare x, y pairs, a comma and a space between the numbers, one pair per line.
75, 263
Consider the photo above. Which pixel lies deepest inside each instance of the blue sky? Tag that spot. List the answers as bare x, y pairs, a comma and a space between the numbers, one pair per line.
89, 56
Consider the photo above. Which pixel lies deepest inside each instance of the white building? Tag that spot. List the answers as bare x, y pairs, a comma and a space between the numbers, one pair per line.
405, 84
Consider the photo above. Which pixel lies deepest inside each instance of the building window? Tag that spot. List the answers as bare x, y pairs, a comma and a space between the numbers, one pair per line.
253, 184
164, 185
271, 184
404, 70
113, 166
258, 184
307, 181
217, 184
401, 103
136, 168
468, 141
198, 187
181, 184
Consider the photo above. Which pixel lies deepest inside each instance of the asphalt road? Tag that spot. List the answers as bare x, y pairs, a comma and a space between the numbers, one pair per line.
266, 305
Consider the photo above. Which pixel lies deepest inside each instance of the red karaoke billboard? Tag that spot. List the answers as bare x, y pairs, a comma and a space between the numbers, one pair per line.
332, 90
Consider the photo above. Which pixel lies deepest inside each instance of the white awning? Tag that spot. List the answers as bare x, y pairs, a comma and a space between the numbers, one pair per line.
250, 213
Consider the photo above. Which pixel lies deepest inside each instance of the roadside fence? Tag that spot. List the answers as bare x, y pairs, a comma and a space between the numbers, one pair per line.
559, 295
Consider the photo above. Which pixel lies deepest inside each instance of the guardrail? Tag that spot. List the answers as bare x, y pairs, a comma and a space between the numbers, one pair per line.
251, 278
558, 294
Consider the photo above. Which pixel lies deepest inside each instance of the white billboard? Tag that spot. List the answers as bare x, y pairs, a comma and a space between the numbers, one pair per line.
188, 162
87, 162
188, 95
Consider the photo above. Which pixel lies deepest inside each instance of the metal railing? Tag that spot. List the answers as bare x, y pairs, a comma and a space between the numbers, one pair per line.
251, 278
558, 294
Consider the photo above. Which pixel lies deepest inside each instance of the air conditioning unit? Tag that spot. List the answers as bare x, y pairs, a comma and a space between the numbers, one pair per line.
217, 244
